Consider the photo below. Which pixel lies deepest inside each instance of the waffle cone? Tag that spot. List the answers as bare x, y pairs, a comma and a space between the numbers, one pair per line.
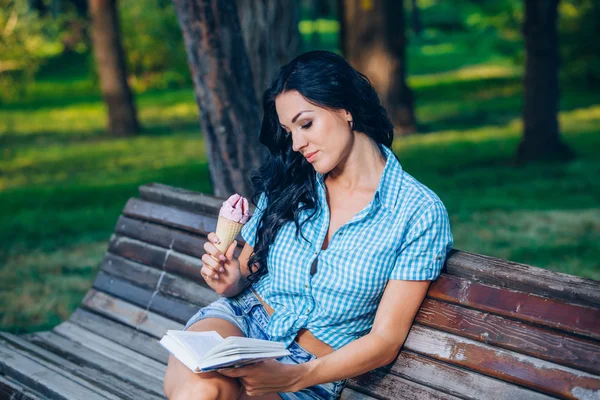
226, 231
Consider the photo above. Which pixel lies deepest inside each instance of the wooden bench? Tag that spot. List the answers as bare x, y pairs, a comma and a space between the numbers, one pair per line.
488, 329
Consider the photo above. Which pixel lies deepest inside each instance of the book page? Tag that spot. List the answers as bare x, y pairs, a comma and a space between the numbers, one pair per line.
198, 343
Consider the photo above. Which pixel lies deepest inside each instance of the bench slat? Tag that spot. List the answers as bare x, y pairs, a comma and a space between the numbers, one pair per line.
147, 277
168, 216
164, 236
539, 375
349, 394
128, 314
100, 381
182, 198
124, 335
81, 355
458, 381
146, 298
159, 257
558, 347
519, 305
48, 381
390, 386
10, 389
526, 278
110, 349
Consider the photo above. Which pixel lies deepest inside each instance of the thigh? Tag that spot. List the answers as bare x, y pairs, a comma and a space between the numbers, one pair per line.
180, 381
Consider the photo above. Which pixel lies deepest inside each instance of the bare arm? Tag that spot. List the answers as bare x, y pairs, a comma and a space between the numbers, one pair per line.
378, 348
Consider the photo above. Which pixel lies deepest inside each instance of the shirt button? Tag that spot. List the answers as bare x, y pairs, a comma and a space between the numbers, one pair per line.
306, 286
439, 257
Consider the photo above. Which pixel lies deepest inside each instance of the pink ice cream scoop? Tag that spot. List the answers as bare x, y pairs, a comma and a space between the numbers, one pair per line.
236, 209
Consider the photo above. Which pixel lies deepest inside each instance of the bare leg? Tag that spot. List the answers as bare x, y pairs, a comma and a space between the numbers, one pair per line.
182, 384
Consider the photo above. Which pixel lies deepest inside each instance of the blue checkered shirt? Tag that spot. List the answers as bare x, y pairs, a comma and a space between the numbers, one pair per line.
403, 233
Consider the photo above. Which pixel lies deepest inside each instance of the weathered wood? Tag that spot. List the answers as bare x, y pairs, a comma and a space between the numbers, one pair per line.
48, 382
349, 394
182, 198
157, 257
81, 355
100, 381
167, 306
10, 389
124, 335
476, 267
185, 220
147, 277
390, 386
135, 237
458, 381
558, 347
519, 305
539, 375
128, 314
526, 278
110, 349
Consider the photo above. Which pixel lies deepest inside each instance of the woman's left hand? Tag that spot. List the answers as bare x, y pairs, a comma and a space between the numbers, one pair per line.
269, 376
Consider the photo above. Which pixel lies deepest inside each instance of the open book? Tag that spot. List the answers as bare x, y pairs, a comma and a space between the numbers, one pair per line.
208, 351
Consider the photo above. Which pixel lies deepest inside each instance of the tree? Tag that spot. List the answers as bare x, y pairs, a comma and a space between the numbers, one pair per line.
271, 37
110, 59
374, 42
541, 138
223, 85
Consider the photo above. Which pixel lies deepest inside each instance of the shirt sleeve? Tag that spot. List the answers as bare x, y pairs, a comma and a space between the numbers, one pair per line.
251, 227
422, 253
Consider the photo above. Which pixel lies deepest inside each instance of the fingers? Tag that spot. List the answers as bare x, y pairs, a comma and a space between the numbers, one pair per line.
231, 249
211, 249
211, 267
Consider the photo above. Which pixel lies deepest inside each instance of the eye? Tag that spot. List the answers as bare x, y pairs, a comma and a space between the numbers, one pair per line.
307, 125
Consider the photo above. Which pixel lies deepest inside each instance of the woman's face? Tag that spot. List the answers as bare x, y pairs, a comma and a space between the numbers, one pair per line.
321, 135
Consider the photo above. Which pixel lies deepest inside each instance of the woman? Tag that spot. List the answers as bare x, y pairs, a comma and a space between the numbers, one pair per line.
343, 244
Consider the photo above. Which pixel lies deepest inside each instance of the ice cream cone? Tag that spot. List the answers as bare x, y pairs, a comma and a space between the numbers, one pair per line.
226, 231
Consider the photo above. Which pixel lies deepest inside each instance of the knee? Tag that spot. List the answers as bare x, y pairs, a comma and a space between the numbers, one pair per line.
181, 384
201, 390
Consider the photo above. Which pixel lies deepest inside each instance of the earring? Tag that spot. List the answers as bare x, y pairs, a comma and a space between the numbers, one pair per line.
351, 123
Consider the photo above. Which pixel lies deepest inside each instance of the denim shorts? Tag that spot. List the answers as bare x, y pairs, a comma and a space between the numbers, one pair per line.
247, 313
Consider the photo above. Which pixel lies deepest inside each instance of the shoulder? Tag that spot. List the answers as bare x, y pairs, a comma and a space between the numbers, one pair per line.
414, 200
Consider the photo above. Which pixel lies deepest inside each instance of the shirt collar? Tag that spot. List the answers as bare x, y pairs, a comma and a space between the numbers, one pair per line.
389, 186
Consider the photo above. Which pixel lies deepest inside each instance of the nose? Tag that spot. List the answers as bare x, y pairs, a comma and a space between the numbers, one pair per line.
298, 140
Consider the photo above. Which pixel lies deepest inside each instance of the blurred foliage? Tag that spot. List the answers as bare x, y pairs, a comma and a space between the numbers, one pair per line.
26, 40
157, 59
153, 45
580, 47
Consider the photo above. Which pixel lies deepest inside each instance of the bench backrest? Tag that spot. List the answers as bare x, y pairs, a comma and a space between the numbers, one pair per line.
488, 328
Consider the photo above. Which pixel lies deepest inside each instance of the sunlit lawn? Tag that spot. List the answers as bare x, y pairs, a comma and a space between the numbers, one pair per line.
63, 184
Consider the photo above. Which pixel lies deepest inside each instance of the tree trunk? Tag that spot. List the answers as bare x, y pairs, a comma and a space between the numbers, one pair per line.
110, 59
271, 37
541, 138
374, 43
223, 85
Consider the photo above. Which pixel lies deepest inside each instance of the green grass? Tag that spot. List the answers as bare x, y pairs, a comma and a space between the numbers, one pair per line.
63, 183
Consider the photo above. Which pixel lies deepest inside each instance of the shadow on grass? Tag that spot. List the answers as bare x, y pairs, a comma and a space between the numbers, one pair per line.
50, 137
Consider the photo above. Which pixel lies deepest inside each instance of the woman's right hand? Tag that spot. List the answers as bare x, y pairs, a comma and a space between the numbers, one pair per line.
223, 274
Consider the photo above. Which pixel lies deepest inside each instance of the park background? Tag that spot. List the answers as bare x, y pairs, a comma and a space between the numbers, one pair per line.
65, 177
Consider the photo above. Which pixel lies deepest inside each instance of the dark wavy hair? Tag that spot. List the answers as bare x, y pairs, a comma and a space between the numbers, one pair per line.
326, 80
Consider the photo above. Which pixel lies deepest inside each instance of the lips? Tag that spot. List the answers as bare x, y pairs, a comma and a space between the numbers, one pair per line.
308, 155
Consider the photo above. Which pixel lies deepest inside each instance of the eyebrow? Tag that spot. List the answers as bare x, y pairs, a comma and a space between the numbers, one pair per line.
297, 115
